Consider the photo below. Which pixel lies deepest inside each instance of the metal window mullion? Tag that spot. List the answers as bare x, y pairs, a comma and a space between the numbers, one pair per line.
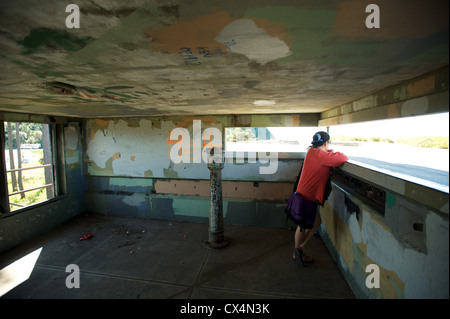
54, 148
4, 198
57, 133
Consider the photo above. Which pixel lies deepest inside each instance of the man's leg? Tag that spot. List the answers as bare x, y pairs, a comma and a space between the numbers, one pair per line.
310, 232
299, 237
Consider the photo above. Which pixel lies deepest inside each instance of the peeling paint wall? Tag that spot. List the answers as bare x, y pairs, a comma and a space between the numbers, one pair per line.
158, 188
409, 243
130, 172
188, 200
140, 147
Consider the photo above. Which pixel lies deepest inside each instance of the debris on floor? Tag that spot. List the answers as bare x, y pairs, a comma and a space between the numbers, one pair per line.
86, 236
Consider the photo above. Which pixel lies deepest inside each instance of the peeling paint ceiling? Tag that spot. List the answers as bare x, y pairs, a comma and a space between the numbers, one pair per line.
206, 57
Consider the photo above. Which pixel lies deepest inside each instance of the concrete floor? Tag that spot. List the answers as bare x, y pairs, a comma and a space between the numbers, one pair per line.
158, 259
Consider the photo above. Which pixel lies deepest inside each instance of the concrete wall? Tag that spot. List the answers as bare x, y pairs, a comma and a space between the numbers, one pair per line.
18, 227
408, 240
426, 94
130, 171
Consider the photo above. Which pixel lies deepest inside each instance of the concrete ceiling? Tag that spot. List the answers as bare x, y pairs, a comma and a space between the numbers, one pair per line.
207, 57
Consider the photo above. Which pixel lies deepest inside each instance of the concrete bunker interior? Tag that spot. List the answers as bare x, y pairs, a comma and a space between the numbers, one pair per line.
115, 88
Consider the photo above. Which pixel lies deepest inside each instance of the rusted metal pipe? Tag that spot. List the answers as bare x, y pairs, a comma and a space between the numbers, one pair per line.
216, 232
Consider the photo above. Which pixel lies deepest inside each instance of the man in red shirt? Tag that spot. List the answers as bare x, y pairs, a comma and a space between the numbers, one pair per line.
315, 173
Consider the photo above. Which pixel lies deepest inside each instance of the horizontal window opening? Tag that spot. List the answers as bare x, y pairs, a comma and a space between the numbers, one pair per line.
412, 148
269, 139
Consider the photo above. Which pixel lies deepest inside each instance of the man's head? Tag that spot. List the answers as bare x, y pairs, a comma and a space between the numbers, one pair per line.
320, 138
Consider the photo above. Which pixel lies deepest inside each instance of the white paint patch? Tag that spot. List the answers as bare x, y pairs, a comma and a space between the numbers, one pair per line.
346, 119
264, 102
413, 107
73, 159
135, 150
134, 200
71, 134
288, 121
244, 37
437, 230
365, 103
99, 150
71, 138
389, 253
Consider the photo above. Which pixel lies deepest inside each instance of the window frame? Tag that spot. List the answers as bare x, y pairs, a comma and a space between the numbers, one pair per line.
56, 143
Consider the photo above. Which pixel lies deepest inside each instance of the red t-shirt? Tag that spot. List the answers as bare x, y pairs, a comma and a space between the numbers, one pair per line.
316, 171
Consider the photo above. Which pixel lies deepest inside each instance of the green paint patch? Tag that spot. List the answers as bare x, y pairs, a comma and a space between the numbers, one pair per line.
346, 108
126, 35
131, 182
332, 113
194, 207
191, 207
170, 173
84, 92
148, 173
309, 33
307, 29
260, 121
400, 94
93, 169
391, 200
43, 38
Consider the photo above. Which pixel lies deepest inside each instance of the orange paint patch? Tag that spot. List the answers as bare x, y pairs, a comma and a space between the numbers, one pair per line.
100, 122
70, 152
274, 29
231, 189
183, 187
116, 156
421, 87
200, 32
186, 122
393, 111
296, 120
96, 125
190, 33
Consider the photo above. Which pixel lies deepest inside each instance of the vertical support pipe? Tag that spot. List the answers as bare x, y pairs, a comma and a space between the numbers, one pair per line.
216, 231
